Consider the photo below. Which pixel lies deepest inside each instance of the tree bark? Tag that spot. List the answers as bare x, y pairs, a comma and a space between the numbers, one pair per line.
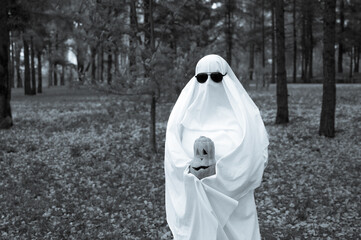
33, 79
5, 89
357, 59
50, 68
40, 77
340, 39
152, 127
62, 76
116, 62
294, 43
19, 81
310, 40
273, 73
229, 31
101, 62
304, 60
133, 37
150, 41
12, 63
327, 120
351, 63
93, 71
55, 63
251, 61
282, 95
263, 48
110, 63
27, 80
55, 78
251, 48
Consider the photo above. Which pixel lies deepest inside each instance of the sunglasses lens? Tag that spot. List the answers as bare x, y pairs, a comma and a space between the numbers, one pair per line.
217, 77
202, 77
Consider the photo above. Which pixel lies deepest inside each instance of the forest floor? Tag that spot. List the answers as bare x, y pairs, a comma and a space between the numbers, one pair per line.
77, 165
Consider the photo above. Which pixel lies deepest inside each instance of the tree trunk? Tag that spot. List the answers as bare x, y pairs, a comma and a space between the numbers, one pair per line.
357, 60
303, 44
282, 95
294, 43
33, 79
40, 77
56, 64
251, 61
116, 62
110, 63
12, 64
310, 41
340, 39
327, 120
55, 75
62, 76
150, 41
273, 78
229, 31
50, 68
27, 80
5, 89
251, 49
19, 81
93, 56
351, 63
152, 127
263, 48
101, 73
133, 37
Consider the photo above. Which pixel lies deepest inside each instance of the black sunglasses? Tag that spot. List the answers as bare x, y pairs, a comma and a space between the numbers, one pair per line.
215, 76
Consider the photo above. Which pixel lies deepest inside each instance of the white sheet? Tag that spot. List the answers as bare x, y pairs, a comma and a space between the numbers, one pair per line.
221, 206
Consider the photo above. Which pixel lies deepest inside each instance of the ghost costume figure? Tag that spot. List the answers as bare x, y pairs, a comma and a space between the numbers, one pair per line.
221, 206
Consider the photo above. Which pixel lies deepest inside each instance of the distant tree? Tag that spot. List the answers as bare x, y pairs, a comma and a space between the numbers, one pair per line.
307, 40
133, 19
340, 36
27, 77
50, 64
19, 81
62, 76
55, 62
33, 74
252, 42
5, 88
327, 121
229, 29
93, 63
12, 63
282, 95
263, 48
149, 42
273, 42
294, 41
351, 37
40, 78
109, 69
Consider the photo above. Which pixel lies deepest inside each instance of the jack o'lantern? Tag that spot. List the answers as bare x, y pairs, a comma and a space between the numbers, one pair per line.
203, 163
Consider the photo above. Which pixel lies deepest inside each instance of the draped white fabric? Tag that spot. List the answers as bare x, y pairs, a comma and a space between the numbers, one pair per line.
219, 207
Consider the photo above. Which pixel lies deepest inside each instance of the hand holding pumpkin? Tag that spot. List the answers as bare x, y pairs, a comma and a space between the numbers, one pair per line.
204, 163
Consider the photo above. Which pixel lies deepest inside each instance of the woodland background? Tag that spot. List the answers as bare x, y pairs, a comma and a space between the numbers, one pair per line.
91, 84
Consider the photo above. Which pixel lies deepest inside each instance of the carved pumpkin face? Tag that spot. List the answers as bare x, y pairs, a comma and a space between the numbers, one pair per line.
203, 163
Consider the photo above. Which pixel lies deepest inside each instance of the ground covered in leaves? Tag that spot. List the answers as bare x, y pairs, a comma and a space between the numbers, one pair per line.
77, 165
